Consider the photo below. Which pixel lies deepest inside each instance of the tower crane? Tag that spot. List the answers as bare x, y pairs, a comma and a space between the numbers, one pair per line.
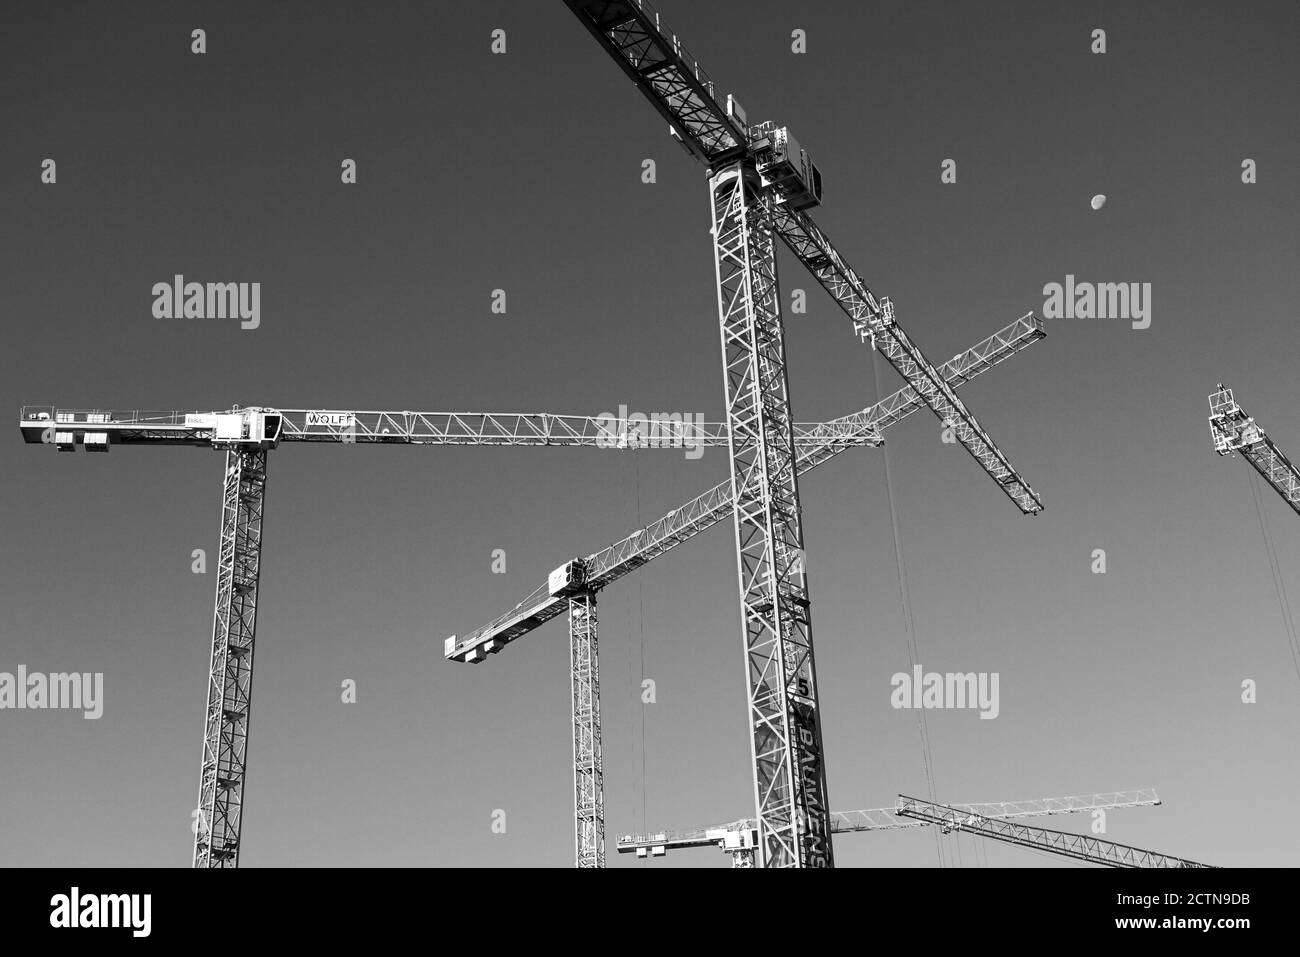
246, 435
1234, 431
573, 586
761, 186
1078, 846
739, 837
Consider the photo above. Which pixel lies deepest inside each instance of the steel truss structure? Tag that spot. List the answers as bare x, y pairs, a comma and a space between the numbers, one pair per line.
1234, 431
247, 435
781, 678
1078, 846
66, 428
636, 37
707, 509
733, 837
762, 185
757, 194
588, 785
230, 679
683, 523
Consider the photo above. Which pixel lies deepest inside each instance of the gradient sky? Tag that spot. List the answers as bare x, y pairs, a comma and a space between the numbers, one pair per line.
522, 172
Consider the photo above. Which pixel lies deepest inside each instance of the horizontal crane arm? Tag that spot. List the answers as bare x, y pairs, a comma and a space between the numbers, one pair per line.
1078, 846
886, 819
712, 507
266, 428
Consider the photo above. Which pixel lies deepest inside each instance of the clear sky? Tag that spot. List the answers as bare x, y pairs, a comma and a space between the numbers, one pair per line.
522, 172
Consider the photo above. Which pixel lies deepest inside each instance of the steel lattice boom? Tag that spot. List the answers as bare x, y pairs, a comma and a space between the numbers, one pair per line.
732, 836
648, 51
1234, 431
683, 523
716, 133
874, 319
588, 575
95, 429
1079, 846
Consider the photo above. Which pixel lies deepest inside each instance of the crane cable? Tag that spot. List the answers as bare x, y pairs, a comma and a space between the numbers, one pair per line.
1275, 569
635, 685
640, 598
927, 757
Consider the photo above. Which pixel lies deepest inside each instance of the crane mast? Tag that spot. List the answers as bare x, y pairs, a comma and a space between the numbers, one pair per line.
230, 677
1078, 846
761, 185
588, 773
781, 678
1234, 431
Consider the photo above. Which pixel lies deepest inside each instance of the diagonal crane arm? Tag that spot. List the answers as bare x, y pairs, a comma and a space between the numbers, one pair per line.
1234, 431
1078, 846
649, 52
704, 511
888, 819
569, 583
875, 319
634, 34
885, 819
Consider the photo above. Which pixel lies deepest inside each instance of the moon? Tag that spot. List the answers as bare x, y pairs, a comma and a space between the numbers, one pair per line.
1099, 201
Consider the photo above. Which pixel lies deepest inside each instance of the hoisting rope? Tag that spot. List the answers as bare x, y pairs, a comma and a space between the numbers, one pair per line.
913, 653
635, 685
640, 598
1275, 569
